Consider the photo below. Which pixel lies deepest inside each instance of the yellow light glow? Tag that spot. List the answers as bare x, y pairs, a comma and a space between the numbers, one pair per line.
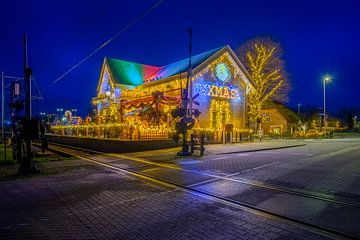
327, 78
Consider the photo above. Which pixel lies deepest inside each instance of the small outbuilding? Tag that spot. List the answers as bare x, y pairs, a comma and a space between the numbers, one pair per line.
277, 119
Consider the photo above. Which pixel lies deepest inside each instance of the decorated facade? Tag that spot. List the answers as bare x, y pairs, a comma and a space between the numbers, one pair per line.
135, 101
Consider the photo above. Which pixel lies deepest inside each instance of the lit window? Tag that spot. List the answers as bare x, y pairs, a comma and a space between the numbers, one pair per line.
266, 118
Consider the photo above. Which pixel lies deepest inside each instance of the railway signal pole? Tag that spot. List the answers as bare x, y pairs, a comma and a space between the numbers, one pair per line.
26, 163
187, 98
3, 112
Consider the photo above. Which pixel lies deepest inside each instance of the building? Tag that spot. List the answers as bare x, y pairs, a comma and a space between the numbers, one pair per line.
137, 99
278, 119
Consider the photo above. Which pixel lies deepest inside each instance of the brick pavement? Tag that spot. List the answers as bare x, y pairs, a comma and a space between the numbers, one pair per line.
326, 166
91, 202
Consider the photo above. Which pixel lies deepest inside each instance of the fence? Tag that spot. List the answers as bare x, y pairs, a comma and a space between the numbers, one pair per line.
118, 132
113, 132
228, 136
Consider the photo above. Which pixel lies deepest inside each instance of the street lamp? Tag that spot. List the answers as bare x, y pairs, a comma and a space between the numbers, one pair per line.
74, 111
59, 112
355, 122
326, 78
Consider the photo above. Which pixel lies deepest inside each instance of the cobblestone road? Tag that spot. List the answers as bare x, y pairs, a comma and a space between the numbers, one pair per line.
91, 202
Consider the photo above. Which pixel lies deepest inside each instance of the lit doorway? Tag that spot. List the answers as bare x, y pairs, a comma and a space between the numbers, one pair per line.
219, 114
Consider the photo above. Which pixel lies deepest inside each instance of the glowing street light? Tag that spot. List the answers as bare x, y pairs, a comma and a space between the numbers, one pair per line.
326, 78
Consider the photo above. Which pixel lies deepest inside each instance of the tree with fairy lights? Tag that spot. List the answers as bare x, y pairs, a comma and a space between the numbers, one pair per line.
262, 58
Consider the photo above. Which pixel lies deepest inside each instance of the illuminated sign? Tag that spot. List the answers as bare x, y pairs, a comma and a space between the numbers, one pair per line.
212, 90
222, 72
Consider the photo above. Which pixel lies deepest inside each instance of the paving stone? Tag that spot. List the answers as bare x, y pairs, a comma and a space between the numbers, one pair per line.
93, 203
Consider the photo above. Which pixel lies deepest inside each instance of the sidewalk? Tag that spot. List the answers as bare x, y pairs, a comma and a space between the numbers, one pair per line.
251, 146
217, 149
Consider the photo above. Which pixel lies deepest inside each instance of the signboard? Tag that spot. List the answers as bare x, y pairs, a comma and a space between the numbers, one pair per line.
222, 72
213, 90
16, 89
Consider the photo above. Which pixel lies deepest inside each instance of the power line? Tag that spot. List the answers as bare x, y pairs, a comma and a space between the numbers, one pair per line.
39, 96
16, 80
13, 77
37, 89
153, 7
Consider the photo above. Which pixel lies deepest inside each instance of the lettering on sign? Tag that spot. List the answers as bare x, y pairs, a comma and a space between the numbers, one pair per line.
212, 90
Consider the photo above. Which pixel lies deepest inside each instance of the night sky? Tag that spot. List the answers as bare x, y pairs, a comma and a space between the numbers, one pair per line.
318, 37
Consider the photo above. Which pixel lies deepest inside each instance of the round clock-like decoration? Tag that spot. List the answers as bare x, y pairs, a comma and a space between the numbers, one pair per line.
222, 72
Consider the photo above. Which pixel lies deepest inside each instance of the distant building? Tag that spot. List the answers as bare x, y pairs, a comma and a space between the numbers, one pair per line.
278, 119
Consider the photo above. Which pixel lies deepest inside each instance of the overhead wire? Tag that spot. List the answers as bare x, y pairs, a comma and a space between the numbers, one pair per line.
39, 96
37, 88
137, 19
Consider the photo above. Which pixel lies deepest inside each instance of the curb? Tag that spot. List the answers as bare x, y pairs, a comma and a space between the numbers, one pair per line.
262, 149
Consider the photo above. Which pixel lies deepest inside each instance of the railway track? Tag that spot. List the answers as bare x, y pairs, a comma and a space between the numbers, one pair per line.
88, 155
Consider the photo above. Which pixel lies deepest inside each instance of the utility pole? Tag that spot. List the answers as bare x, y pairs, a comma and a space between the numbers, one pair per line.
3, 112
26, 164
324, 106
187, 98
2, 102
190, 73
27, 78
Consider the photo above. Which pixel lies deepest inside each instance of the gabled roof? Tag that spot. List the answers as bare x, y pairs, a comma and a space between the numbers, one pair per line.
130, 73
286, 112
222, 50
135, 74
182, 65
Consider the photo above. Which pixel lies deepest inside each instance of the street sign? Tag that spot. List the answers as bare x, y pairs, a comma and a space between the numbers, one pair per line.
195, 96
16, 89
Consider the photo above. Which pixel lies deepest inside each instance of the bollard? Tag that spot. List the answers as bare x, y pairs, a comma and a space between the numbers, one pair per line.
192, 143
202, 143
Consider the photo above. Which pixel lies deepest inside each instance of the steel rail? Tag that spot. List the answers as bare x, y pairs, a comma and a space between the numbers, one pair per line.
317, 196
227, 201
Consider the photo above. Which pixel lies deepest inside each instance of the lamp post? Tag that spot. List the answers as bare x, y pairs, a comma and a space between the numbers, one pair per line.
42, 115
326, 78
355, 122
74, 111
59, 112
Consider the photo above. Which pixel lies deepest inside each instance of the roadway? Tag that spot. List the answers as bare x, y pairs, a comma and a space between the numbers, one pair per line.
313, 189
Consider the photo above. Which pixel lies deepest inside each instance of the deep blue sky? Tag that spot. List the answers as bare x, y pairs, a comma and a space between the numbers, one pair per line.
317, 37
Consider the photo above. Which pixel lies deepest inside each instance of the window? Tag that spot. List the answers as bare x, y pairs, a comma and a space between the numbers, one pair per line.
266, 118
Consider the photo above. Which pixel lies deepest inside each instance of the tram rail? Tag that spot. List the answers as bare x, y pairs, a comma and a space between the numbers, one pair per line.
87, 155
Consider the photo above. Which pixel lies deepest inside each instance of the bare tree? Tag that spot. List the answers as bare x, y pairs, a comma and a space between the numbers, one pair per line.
262, 58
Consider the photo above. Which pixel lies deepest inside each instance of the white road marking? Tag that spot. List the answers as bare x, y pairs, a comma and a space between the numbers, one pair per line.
296, 153
349, 149
243, 154
212, 180
263, 166
230, 175
268, 152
